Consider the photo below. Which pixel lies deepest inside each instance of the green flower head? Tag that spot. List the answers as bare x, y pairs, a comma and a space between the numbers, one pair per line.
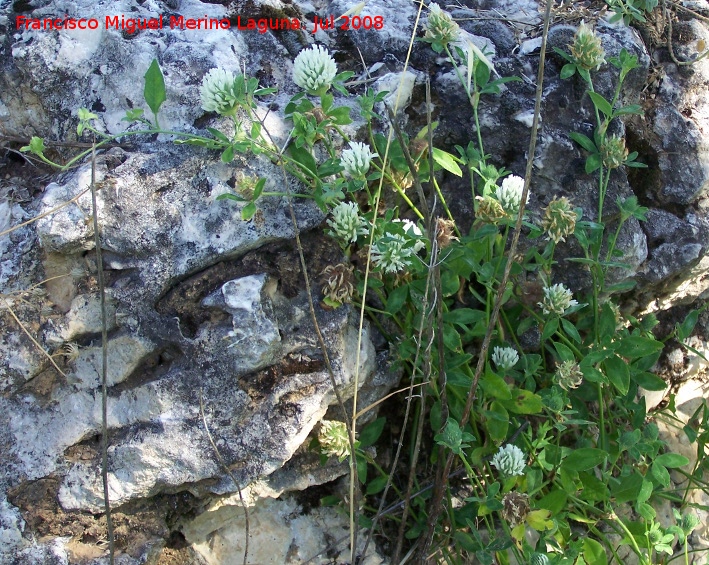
613, 151
586, 49
440, 28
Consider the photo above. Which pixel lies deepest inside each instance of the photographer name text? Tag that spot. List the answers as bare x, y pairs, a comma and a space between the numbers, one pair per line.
262, 25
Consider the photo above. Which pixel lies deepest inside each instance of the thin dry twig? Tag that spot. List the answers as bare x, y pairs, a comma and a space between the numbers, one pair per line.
47, 213
670, 48
29, 335
247, 525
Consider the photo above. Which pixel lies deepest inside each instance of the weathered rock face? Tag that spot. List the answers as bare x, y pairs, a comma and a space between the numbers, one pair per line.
202, 305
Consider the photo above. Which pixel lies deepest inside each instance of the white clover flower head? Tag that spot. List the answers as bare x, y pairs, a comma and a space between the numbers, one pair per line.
557, 300
509, 195
356, 159
509, 461
347, 225
414, 232
504, 358
314, 70
217, 92
333, 439
391, 253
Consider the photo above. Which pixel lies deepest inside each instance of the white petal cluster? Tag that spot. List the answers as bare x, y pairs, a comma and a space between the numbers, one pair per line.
509, 461
356, 159
217, 92
557, 300
314, 69
391, 253
347, 225
414, 232
509, 195
504, 358
333, 439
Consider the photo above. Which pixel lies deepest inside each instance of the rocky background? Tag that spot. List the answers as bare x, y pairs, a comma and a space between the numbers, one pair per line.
206, 308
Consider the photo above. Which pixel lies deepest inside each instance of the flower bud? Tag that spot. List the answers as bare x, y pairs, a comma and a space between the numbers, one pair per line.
586, 49
613, 151
509, 195
440, 27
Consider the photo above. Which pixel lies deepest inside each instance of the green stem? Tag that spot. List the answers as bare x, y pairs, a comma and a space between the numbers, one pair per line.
474, 99
445, 206
630, 537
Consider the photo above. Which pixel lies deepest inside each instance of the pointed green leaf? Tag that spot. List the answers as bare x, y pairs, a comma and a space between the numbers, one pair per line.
230, 196
593, 552
376, 485
371, 432
497, 421
567, 71
593, 163
523, 402
618, 373
565, 354
447, 161
248, 211
601, 103
218, 135
685, 329
495, 386
631, 109
635, 346
627, 488
154, 91
671, 460
258, 189
571, 330
584, 459
584, 142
